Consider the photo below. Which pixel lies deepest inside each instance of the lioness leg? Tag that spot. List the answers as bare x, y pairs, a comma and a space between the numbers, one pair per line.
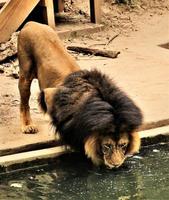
25, 79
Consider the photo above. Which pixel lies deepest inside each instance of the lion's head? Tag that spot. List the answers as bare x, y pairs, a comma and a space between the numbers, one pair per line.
109, 151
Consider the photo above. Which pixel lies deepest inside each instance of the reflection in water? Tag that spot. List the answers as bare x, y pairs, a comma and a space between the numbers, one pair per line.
143, 177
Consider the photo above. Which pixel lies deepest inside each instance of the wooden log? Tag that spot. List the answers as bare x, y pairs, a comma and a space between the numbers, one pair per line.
96, 52
2, 3
12, 14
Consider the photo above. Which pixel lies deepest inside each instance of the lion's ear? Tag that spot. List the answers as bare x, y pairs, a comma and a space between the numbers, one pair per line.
134, 144
46, 98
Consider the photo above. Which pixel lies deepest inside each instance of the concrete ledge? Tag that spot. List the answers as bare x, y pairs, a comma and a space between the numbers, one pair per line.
154, 132
43, 140
20, 158
154, 136
88, 29
29, 147
34, 158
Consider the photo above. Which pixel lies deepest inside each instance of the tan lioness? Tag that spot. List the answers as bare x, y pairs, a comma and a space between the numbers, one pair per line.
89, 111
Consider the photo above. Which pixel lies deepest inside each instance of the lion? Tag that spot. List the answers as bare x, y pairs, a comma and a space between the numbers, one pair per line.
88, 110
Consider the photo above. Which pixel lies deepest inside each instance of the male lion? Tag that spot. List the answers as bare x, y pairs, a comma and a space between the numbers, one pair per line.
89, 111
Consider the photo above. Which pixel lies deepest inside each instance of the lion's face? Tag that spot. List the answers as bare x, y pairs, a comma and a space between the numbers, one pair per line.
105, 150
114, 152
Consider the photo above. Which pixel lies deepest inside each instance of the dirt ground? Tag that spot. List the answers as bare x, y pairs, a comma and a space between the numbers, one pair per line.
141, 68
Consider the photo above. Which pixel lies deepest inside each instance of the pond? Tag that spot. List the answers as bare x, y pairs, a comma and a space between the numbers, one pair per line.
143, 177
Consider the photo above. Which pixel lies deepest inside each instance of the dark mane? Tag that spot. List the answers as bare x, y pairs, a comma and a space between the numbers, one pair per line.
41, 101
90, 102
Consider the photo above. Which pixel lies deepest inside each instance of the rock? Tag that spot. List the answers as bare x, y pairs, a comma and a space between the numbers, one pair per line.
156, 150
138, 157
9, 49
2, 69
17, 185
15, 75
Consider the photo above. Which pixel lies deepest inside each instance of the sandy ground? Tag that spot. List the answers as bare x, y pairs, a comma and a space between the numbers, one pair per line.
142, 67
141, 70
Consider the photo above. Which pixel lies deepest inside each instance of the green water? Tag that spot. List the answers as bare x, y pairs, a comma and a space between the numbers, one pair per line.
144, 177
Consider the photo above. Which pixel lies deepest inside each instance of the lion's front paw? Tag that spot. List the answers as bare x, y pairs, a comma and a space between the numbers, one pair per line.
29, 129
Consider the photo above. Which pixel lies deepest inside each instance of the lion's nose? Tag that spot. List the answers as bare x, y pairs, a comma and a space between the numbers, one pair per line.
113, 166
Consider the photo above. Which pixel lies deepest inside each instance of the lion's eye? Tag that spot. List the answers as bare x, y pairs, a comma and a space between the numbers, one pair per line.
106, 148
123, 146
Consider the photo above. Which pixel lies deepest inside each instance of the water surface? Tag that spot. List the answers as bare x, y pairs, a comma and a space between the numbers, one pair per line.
143, 177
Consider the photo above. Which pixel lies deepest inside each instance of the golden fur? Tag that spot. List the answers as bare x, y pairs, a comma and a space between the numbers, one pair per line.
87, 109
91, 149
118, 155
41, 55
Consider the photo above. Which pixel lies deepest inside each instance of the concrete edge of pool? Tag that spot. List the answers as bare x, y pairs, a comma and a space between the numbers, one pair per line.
25, 159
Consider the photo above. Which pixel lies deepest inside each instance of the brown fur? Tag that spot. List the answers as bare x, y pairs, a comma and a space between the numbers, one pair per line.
135, 143
41, 55
92, 149
118, 155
